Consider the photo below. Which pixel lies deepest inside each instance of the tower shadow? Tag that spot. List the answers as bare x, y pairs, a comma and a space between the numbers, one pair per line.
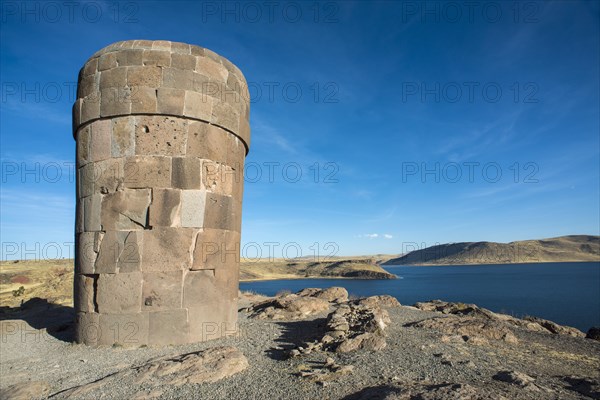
57, 320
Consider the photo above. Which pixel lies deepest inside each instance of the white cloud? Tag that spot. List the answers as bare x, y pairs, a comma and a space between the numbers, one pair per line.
375, 236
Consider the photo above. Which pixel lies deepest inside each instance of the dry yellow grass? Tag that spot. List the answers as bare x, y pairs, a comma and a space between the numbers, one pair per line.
53, 279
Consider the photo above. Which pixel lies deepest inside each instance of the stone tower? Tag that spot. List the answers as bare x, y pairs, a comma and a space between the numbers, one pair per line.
162, 130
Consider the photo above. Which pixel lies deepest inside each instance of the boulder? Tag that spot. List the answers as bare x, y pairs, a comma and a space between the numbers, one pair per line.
26, 391
203, 366
351, 327
472, 329
379, 301
533, 324
288, 307
555, 328
593, 333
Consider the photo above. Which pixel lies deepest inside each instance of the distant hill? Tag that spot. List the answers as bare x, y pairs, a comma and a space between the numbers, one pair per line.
559, 249
364, 268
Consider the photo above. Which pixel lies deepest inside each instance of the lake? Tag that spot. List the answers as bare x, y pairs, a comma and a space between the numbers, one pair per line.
566, 293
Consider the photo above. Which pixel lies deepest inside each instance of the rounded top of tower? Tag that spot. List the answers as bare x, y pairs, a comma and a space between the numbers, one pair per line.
164, 78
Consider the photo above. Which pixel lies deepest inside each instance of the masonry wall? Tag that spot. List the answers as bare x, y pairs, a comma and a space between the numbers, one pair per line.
162, 130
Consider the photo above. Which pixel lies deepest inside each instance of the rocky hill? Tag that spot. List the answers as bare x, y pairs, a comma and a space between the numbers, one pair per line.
364, 268
559, 249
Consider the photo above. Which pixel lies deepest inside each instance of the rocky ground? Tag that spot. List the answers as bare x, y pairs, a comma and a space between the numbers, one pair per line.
314, 344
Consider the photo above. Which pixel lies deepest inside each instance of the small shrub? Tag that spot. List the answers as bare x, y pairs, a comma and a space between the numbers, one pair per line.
283, 293
19, 292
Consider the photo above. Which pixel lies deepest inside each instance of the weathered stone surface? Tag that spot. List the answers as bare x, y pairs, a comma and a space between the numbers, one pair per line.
174, 78
123, 329
90, 108
193, 206
207, 142
123, 137
216, 249
212, 69
218, 178
119, 293
186, 173
115, 77
83, 293
334, 294
183, 61
200, 289
219, 212
165, 209
156, 57
225, 116
130, 259
470, 327
205, 366
170, 101
167, 249
289, 307
26, 390
79, 216
471, 310
87, 328
129, 57
104, 177
144, 76
92, 215
100, 140
147, 171
143, 100
197, 105
210, 365
83, 146
380, 301
160, 135
88, 245
107, 61
126, 209
168, 327
119, 252
555, 328
115, 101
162, 290
213, 320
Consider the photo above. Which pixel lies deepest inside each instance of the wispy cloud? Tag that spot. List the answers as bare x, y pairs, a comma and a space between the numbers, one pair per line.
375, 236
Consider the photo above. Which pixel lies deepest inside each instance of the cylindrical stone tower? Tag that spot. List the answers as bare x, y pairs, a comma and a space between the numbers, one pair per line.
162, 130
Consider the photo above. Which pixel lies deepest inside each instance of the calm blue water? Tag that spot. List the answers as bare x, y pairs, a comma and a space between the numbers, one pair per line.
567, 293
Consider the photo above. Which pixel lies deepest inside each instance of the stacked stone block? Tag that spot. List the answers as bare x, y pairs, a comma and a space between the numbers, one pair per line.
162, 131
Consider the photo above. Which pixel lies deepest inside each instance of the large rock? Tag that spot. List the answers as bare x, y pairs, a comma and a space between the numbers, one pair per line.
26, 391
593, 333
471, 329
203, 366
300, 305
351, 327
533, 324
555, 328
289, 306
380, 301
333, 294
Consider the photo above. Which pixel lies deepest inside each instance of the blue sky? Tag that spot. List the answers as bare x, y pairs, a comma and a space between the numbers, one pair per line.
427, 122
